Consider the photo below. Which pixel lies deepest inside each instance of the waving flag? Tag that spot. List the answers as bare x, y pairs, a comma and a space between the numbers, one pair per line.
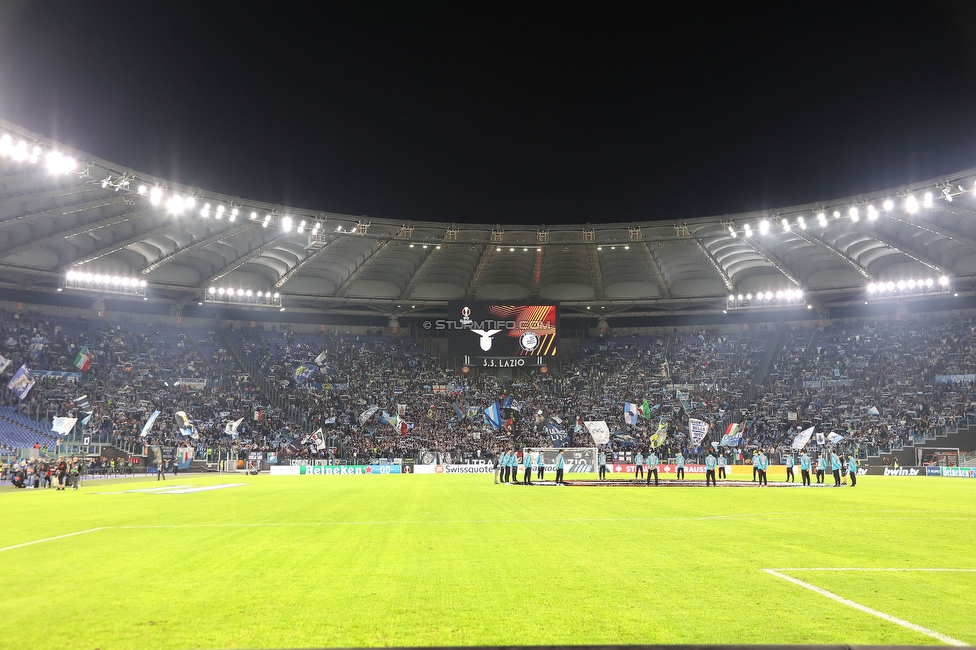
319, 360
630, 414
230, 428
507, 402
661, 435
304, 373
557, 435
4, 362
599, 431
644, 410
149, 424
802, 438
365, 416
820, 439
733, 435
457, 409
21, 383
834, 438
698, 429
472, 412
62, 426
493, 415
83, 360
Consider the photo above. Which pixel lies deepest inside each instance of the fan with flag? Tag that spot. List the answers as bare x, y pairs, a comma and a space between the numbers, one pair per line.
83, 360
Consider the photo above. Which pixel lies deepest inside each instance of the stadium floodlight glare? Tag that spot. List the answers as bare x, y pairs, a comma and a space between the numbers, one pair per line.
254, 215
141, 189
927, 199
836, 214
212, 290
901, 285
786, 225
854, 214
929, 282
286, 223
872, 287
731, 298
104, 283
155, 195
205, 210
763, 227
175, 204
911, 204
748, 230
740, 296
947, 194
943, 281
872, 213
889, 205
748, 296
802, 223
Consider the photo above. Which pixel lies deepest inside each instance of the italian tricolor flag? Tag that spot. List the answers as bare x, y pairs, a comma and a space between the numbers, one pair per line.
83, 360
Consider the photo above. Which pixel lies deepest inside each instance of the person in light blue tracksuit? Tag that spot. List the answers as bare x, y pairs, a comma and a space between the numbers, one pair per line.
721, 465
560, 464
852, 469
710, 464
513, 460
652, 462
790, 478
540, 466
527, 460
503, 461
679, 464
805, 468
821, 467
762, 464
638, 466
602, 464
835, 468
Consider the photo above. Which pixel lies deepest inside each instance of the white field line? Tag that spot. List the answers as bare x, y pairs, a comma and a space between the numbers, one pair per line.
200, 488
873, 569
867, 610
51, 539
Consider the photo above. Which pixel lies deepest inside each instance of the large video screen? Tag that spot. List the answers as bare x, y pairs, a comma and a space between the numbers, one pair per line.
488, 334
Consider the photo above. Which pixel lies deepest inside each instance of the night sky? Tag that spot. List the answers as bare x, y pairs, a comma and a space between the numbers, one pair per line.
504, 113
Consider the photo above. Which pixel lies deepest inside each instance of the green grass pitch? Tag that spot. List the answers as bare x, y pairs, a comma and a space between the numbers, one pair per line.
456, 560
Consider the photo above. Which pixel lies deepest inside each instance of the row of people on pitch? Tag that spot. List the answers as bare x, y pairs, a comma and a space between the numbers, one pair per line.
507, 464
836, 466
652, 462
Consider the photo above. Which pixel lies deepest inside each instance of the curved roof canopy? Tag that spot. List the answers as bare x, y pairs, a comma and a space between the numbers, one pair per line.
63, 210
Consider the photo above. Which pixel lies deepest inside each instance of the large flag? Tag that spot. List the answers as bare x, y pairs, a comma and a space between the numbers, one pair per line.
802, 438
331, 420
230, 428
599, 431
630, 413
4, 362
661, 435
85, 420
83, 360
63, 426
318, 440
834, 438
872, 410
507, 401
697, 429
21, 383
493, 415
149, 424
733, 435
321, 358
457, 409
644, 410
365, 416
37, 345
185, 424
557, 435
472, 412
304, 373
820, 438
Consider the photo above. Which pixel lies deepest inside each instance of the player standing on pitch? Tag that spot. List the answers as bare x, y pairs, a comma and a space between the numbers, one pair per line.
602, 464
821, 467
761, 464
805, 468
790, 478
638, 466
710, 463
679, 465
721, 464
540, 466
560, 463
852, 469
652, 462
835, 468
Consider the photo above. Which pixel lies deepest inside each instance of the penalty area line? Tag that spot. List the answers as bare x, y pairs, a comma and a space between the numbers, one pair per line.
867, 610
50, 539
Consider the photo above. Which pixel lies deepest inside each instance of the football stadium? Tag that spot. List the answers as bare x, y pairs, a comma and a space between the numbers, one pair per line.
277, 426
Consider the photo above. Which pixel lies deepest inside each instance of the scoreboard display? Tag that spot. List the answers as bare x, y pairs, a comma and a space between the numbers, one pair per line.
493, 335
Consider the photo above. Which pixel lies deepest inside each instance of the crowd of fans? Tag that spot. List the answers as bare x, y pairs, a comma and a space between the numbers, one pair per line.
369, 395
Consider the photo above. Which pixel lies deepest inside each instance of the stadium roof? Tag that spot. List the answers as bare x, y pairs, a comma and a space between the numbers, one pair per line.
66, 211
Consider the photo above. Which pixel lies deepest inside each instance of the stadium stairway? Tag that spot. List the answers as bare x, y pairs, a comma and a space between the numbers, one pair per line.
962, 436
776, 347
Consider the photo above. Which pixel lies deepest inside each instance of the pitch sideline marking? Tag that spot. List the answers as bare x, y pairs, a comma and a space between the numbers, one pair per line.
867, 610
51, 539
